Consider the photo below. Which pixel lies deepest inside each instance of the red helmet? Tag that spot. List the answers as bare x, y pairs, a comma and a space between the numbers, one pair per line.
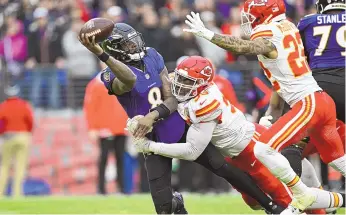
191, 76
256, 12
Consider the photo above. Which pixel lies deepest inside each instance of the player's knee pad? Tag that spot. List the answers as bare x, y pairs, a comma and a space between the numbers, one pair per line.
294, 156
261, 150
309, 176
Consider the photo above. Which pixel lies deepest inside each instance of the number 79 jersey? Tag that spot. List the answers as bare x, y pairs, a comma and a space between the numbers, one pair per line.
289, 73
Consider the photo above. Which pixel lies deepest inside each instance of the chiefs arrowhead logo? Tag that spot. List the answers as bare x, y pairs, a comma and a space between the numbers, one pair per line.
207, 71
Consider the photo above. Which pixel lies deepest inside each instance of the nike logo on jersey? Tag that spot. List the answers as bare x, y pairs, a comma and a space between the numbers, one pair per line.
151, 85
253, 164
201, 103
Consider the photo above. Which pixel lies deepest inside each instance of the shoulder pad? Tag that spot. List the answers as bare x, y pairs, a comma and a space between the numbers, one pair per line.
157, 58
204, 108
311, 14
263, 31
305, 21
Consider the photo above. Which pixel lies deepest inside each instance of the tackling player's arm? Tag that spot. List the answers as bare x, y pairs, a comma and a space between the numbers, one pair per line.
125, 79
198, 138
276, 106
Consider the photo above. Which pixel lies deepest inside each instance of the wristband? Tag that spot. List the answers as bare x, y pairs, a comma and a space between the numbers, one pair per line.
103, 57
164, 112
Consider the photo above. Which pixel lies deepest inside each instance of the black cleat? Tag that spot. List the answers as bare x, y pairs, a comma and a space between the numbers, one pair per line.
180, 209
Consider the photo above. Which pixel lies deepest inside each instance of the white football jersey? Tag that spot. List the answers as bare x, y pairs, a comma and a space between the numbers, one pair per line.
232, 133
289, 73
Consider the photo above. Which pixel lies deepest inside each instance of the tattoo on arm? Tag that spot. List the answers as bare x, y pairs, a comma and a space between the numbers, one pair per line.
236, 45
169, 100
125, 80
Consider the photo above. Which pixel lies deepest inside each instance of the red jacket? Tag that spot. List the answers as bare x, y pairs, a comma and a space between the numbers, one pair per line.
16, 115
103, 111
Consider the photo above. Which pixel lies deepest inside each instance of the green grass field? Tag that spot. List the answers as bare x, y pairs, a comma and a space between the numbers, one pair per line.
134, 204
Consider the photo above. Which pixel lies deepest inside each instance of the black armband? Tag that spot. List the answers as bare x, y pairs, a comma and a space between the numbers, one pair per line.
103, 57
164, 112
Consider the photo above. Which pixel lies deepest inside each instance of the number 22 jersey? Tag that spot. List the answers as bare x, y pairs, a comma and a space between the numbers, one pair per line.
289, 73
147, 94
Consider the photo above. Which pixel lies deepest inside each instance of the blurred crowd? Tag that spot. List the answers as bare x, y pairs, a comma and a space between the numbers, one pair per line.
40, 54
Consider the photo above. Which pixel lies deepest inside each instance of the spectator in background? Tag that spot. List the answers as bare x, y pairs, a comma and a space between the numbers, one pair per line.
165, 19
181, 44
45, 48
153, 36
17, 118
216, 54
232, 27
13, 47
106, 121
81, 64
115, 13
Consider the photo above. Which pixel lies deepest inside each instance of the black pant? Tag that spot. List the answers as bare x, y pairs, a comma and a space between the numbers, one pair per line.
116, 143
332, 81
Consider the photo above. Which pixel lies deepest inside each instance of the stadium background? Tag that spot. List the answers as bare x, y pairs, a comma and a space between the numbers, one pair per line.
62, 155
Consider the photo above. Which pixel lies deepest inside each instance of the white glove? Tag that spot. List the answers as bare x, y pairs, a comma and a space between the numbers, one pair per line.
142, 144
197, 26
265, 121
132, 123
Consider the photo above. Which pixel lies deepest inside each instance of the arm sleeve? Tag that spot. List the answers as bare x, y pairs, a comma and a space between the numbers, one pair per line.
198, 138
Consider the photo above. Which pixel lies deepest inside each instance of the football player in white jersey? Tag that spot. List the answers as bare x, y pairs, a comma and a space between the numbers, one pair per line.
213, 119
277, 43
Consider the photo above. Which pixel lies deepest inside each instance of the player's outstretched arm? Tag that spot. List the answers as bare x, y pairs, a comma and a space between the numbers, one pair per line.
125, 78
237, 45
198, 138
233, 44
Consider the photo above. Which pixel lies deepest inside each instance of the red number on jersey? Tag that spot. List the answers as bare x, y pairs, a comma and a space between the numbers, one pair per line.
268, 74
296, 58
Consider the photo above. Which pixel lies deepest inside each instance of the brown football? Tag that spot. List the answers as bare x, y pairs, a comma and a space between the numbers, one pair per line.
101, 28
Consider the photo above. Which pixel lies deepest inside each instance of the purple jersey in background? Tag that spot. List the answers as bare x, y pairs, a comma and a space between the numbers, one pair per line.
324, 39
147, 94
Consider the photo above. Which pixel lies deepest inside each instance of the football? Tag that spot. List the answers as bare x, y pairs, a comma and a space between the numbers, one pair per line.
101, 28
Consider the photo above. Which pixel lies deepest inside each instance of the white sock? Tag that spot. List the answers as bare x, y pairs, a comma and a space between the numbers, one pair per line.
309, 176
339, 165
326, 199
279, 166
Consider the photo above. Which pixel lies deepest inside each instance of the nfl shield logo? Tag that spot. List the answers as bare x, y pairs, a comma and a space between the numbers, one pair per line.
107, 76
275, 9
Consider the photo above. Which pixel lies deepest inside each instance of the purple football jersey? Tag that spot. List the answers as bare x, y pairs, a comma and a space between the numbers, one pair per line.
147, 94
324, 39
